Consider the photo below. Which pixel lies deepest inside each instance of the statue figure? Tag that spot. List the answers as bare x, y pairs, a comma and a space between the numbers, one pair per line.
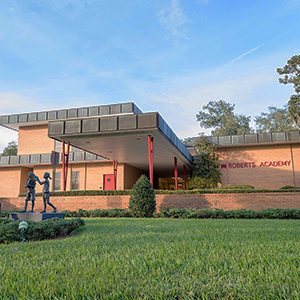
30, 185
46, 193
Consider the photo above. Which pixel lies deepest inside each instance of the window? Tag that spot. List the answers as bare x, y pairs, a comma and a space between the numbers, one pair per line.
57, 186
75, 180
58, 146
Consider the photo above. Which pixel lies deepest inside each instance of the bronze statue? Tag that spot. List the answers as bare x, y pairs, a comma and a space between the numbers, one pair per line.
46, 193
30, 185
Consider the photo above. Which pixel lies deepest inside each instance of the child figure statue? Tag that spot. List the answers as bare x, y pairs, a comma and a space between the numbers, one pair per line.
30, 185
46, 193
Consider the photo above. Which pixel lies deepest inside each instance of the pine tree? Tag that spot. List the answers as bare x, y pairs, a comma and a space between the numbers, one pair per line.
142, 202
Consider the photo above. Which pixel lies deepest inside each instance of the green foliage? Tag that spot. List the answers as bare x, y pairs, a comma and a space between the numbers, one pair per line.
192, 213
220, 116
142, 198
236, 187
291, 74
206, 171
37, 231
10, 149
84, 193
276, 120
98, 213
294, 109
289, 187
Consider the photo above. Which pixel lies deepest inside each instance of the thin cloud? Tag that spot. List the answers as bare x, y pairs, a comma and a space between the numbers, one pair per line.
244, 54
256, 48
172, 18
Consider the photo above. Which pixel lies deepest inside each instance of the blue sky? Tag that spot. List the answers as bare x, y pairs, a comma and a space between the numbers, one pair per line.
169, 56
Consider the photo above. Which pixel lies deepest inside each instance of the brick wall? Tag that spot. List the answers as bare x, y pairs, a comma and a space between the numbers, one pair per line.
34, 140
268, 166
257, 201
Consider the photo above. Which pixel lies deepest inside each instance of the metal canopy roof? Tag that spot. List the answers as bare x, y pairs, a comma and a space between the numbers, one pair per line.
125, 138
39, 118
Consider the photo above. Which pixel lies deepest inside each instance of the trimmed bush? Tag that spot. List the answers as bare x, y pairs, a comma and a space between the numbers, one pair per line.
237, 187
270, 213
98, 213
142, 202
83, 193
37, 231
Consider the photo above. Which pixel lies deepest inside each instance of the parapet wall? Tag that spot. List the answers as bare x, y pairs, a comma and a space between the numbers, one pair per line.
254, 201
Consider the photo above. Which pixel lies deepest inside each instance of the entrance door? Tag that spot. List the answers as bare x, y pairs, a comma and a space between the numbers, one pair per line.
108, 180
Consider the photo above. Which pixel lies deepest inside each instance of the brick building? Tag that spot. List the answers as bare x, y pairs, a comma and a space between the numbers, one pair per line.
110, 146
100, 147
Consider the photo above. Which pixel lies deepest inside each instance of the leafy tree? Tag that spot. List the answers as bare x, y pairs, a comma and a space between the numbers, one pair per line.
291, 74
142, 198
276, 120
10, 149
220, 116
206, 172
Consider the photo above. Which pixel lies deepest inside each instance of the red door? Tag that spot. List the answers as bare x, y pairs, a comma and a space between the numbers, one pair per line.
108, 180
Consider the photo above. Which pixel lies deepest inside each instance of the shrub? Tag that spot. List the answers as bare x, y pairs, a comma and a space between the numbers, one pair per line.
289, 187
237, 187
142, 198
38, 231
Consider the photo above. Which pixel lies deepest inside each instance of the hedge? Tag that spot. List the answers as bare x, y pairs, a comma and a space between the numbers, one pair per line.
224, 190
187, 213
37, 231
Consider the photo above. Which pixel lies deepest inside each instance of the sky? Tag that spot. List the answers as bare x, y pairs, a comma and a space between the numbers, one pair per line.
171, 56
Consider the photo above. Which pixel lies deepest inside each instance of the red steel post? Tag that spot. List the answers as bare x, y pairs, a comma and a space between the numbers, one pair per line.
115, 166
65, 162
150, 150
176, 173
184, 176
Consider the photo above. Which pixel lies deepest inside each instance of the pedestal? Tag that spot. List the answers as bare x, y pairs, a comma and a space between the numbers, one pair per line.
29, 216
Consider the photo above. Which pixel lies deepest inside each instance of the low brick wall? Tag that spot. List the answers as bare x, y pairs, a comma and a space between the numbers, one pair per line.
255, 201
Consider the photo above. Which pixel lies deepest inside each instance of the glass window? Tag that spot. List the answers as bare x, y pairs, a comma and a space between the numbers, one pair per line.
58, 146
75, 180
57, 186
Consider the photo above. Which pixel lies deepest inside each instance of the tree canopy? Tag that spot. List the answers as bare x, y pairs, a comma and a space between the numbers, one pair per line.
10, 149
291, 74
276, 120
206, 172
220, 116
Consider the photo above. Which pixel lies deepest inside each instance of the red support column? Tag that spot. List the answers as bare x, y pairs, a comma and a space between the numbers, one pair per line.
176, 173
115, 165
184, 176
150, 151
65, 163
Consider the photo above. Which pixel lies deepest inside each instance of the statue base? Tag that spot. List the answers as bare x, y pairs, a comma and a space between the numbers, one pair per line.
29, 216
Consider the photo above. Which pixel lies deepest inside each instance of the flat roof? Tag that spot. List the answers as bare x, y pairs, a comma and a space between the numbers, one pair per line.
14, 121
125, 138
255, 139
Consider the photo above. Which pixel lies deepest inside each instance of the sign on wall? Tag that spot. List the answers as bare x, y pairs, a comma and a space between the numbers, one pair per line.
253, 164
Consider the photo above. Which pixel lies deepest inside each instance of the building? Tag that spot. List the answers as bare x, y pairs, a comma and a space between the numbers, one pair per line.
263, 160
110, 146
100, 147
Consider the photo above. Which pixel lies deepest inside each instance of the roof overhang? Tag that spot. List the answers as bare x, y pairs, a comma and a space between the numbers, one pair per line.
125, 139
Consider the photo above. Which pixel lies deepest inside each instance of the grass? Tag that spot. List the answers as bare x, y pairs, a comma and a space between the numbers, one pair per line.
158, 259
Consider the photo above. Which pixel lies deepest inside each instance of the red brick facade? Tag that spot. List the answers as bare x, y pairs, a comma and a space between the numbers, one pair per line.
255, 201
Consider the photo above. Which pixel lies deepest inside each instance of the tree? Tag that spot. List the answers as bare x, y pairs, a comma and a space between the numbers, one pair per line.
276, 120
291, 74
10, 149
206, 172
142, 198
220, 116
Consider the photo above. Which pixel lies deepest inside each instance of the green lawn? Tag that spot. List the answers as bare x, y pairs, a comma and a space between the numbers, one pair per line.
158, 259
